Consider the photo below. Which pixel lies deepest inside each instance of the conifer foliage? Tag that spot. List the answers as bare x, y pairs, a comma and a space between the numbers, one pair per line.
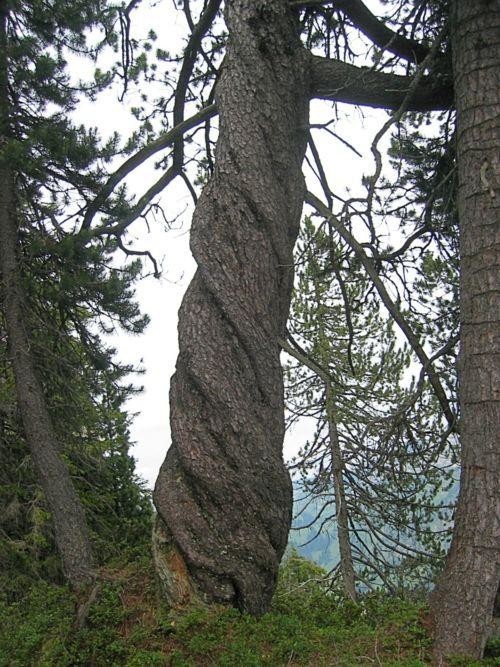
378, 296
371, 467
64, 438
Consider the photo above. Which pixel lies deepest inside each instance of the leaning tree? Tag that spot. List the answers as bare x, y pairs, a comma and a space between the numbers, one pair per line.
223, 495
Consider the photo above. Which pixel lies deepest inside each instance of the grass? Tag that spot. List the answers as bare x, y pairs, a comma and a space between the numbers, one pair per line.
126, 625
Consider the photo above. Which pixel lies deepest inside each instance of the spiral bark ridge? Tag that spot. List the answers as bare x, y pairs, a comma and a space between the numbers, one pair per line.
223, 494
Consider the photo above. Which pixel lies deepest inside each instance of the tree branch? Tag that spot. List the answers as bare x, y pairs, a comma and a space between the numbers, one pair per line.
393, 309
141, 156
295, 350
140, 253
341, 82
331, 80
188, 61
174, 136
379, 33
396, 117
119, 227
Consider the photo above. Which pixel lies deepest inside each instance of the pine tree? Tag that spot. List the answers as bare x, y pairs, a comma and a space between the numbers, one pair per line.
58, 288
224, 466
371, 461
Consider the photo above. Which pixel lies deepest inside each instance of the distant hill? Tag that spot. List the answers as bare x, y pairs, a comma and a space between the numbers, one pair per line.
322, 547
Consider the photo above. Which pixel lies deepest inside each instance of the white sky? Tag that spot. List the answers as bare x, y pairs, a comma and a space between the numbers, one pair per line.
157, 348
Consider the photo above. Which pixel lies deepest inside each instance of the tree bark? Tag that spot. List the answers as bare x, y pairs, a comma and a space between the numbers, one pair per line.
462, 603
223, 495
343, 533
68, 517
342, 82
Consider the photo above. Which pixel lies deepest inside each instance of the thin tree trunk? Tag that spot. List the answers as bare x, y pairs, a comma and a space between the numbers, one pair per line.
68, 517
343, 533
223, 495
462, 603
346, 562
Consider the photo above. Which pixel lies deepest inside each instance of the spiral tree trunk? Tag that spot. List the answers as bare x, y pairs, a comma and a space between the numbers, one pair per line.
464, 598
223, 495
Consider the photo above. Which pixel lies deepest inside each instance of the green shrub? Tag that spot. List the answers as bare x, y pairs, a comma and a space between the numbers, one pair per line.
309, 624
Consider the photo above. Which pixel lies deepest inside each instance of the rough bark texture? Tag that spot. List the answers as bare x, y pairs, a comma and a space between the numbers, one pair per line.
464, 598
335, 80
223, 495
67, 513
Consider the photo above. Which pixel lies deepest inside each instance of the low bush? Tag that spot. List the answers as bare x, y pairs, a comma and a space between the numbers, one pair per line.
309, 624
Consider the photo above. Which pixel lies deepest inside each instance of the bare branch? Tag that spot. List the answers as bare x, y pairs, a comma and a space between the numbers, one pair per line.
380, 34
393, 309
141, 156
140, 253
188, 61
396, 117
136, 211
341, 82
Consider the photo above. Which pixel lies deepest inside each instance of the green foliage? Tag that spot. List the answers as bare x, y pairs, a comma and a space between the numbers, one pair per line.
493, 648
85, 393
396, 480
34, 624
75, 293
308, 625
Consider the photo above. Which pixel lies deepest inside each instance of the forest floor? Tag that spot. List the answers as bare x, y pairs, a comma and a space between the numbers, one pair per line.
126, 625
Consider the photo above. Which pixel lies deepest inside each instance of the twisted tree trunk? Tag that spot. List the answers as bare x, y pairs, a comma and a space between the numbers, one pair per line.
464, 598
223, 495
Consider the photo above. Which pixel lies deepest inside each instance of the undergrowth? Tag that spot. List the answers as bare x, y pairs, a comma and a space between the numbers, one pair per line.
307, 625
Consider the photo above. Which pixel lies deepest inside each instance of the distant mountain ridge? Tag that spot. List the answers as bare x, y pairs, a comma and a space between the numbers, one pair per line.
322, 547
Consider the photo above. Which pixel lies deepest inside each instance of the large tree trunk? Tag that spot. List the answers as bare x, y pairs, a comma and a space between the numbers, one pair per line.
463, 600
223, 494
67, 513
